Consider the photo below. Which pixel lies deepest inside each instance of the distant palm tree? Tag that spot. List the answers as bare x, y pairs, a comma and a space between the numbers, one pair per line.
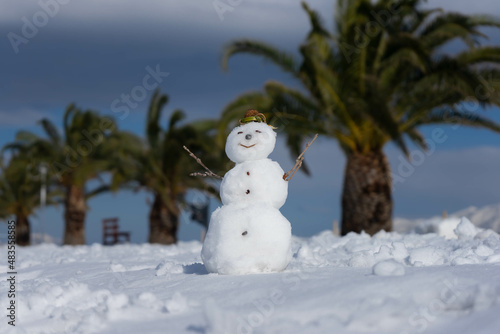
164, 166
20, 194
90, 146
380, 76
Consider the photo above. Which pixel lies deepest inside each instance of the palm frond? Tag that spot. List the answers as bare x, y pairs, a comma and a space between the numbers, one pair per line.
68, 114
99, 190
479, 55
484, 21
26, 136
316, 22
449, 26
417, 138
51, 131
177, 116
153, 129
455, 116
282, 59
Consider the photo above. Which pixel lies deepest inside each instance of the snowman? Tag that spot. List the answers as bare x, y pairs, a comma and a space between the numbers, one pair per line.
248, 234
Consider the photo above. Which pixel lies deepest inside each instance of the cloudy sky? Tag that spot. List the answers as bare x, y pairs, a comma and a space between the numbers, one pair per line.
92, 52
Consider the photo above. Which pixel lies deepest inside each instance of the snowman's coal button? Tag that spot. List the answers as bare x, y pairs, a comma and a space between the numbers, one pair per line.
248, 173
248, 192
244, 233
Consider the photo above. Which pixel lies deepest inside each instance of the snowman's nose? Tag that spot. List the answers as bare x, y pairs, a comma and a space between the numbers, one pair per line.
248, 137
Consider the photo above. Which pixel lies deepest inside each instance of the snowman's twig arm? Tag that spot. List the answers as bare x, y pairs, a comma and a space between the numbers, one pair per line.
298, 163
198, 160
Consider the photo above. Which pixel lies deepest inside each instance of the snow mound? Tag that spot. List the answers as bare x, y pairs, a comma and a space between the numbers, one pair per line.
465, 229
451, 228
486, 218
361, 250
388, 268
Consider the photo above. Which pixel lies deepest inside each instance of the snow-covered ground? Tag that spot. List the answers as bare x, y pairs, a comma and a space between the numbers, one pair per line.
389, 283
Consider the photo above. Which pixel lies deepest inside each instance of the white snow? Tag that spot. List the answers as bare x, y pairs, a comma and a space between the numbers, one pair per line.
465, 229
388, 268
388, 283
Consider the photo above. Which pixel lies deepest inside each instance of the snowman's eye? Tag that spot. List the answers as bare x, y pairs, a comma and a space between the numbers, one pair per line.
240, 132
258, 131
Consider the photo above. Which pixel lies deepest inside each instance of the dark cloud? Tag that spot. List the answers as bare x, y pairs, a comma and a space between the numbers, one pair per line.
92, 52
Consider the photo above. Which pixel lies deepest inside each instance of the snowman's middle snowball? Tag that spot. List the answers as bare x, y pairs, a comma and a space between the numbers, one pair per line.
253, 181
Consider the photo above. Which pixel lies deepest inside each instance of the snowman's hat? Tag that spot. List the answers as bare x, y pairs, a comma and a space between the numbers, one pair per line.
253, 115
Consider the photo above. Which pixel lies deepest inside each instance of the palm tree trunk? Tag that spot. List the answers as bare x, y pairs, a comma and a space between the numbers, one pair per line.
366, 198
163, 223
22, 230
74, 216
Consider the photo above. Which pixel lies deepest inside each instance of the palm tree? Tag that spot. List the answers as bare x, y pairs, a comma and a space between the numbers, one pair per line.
20, 194
89, 146
380, 76
164, 167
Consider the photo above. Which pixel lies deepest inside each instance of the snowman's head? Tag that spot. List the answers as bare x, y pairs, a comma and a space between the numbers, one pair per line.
250, 141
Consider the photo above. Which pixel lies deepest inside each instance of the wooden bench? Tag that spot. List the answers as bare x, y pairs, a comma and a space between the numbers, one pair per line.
110, 233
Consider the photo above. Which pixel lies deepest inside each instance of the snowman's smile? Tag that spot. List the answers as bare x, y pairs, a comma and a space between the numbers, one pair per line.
248, 146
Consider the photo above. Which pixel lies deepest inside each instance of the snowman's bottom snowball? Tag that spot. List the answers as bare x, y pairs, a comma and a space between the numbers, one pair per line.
244, 240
